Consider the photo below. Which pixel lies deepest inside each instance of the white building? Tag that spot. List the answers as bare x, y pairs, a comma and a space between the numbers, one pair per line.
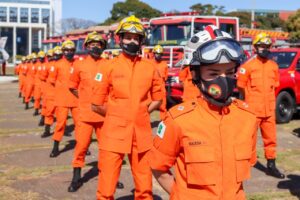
27, 22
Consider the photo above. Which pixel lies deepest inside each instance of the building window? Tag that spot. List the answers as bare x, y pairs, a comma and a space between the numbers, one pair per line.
3, 14
35, 14
45, 16
13, 14
24, 15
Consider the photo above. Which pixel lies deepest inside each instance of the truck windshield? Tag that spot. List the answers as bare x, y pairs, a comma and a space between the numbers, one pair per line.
283, 59
170, 34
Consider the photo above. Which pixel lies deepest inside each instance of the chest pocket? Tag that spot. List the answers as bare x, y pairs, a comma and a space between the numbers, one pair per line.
120, 86
242, 160
200, 165
271, 80
255, 80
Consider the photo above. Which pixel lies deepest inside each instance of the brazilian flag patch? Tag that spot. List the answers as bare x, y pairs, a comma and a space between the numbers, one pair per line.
161, 129
98, 77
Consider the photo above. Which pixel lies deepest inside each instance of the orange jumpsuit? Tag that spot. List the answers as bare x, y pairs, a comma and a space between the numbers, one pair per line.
30, 75
48, 104
259, 79
210, 156
64, 100
24, 70
126, 128
43, 77
162, 68
190, 91
81, 79
37, 85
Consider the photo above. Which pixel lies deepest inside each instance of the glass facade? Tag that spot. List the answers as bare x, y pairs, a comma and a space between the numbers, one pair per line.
26, 1
46, 16
3, 14
35, 15
24, 15
22, 41
13, 14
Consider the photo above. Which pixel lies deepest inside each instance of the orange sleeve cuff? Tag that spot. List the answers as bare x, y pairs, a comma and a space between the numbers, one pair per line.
160, 161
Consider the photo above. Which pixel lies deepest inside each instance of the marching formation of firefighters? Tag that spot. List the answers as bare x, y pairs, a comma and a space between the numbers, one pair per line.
209, 139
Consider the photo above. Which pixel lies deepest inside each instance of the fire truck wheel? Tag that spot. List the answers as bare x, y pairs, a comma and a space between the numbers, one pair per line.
285, 107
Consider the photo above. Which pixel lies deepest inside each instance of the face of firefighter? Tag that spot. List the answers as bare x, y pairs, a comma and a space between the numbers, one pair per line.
213, 71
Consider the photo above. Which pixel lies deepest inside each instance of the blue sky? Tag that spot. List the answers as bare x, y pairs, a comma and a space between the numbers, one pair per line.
99, 10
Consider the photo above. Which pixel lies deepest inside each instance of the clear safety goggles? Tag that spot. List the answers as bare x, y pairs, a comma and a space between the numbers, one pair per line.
211, 52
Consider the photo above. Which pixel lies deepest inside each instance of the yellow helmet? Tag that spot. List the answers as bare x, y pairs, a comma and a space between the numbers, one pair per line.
57, 50
23, 58
158, 49
28, 57
33, 56
94, 37
262, 38
104, 55
115, 52
50, 52
41, 54
68, 44
131, 24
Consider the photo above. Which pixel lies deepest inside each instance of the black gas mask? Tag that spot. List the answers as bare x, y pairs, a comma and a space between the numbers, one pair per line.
96, 52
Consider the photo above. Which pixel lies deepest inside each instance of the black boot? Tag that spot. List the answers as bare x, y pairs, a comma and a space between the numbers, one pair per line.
120, 185
23, 100
46, 132
55, 150
124, 162
32, 100
20, 94
42, 121
36, 112
88, 153
26, 106
76, 181
272, 170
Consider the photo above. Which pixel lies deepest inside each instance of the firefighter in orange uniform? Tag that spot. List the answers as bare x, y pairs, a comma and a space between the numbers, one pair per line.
257, 80
126, 130
80, 84
210, 156
162, 68
37, 82
30, 76
53, 56
43, 76
20, 74
64, 100
190, 92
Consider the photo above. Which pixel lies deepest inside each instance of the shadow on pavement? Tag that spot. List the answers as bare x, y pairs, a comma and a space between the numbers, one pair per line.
93, 172
296, 132
71, 144
292, 184
260, 166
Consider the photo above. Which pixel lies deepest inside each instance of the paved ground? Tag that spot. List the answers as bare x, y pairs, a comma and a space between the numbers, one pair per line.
27, 172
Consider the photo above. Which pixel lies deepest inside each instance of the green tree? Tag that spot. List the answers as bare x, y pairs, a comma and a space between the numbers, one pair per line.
293, 26
208, 9
131, 7
245, 18
269, 21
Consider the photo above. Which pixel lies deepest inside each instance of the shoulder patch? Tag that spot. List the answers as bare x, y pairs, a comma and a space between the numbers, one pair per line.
98, 77
182, 108
242, 70
81, 58
161, 130
52, 69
